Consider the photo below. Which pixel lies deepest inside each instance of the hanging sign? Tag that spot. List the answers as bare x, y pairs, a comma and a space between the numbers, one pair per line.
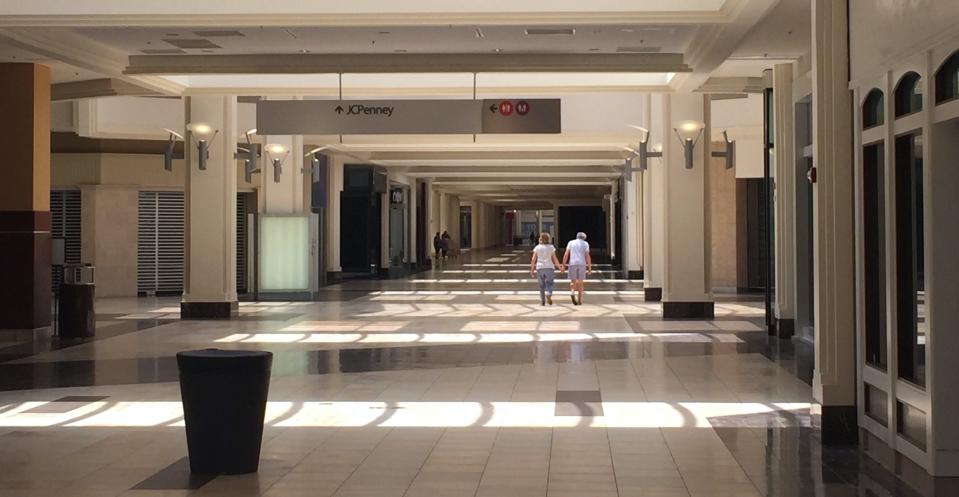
374, 117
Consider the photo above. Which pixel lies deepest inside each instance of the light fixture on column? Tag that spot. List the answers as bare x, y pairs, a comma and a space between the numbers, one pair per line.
688, 133
314, 156
170, 148
642, 153
202, 135
250, 154
729, 153
277, 154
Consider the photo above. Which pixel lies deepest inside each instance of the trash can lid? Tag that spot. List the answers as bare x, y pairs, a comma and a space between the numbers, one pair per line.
199, 361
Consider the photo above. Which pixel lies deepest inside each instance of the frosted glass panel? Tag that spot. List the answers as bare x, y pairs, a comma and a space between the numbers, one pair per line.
284, 253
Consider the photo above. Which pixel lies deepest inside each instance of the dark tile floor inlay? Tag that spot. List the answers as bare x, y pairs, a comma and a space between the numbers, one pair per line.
585, 403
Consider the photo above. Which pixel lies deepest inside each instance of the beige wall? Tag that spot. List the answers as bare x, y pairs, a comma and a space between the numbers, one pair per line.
722, 209
109, 237
109, 185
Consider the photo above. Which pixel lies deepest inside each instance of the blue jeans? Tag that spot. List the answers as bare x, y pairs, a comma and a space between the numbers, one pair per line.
545, 279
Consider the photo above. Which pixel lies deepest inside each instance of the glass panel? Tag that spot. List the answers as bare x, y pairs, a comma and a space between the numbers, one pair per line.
908, 95
284, 253
947, 79
872, 109
910, 291
874, 255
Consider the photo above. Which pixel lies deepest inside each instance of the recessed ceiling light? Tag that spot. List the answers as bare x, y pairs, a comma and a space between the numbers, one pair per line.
479, 32
626, 30
400, 50
594, 50
303, 50
384, 32
497, 50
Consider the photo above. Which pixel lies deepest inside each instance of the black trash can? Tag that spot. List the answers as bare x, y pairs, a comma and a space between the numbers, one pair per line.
75, 315
224, 396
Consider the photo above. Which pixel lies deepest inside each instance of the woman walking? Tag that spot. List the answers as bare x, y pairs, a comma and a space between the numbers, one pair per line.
543, 266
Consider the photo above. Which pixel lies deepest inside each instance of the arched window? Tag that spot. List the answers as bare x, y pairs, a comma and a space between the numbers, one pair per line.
947, 79
908, 95
872, 109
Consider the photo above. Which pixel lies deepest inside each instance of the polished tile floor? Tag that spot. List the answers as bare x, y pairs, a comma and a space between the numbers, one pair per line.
454, 382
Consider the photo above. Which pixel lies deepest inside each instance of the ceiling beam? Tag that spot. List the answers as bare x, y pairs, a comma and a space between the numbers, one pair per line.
105, 87
404, 63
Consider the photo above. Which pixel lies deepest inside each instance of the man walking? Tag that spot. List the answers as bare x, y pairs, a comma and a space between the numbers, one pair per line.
578, 263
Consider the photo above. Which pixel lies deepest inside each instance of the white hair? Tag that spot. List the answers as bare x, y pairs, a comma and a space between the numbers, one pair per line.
581, 235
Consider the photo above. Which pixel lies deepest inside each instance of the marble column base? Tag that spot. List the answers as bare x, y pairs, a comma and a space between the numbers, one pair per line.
839, 425
688, 310
653, 294
786, 328
209, 310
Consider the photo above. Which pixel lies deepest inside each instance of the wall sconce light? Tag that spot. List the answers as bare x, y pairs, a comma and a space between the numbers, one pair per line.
250, 154
202, 135
314, 156
275, 151
170, 148
689, 133
729, 153
643, 154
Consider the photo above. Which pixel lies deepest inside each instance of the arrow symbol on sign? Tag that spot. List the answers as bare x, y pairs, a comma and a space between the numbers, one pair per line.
492, 108
339, 109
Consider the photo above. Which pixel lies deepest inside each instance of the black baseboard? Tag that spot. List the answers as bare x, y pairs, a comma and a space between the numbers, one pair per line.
688, 310
301, 296
839, 425
208, 310
786, 328
635, 275
333, 277
653, 294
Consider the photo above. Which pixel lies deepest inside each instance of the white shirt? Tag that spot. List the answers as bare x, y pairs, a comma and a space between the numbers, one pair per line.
544, 256
577, 252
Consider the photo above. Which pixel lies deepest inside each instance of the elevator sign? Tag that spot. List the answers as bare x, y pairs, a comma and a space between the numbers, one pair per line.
333, 117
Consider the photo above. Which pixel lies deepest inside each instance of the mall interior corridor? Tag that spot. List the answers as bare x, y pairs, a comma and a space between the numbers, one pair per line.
282, 248
453, 382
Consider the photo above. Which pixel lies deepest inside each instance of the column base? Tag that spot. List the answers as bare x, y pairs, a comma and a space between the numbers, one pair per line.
653, 294
634, 275
838, 425
334, 277
209, 310
688, 310
786, 328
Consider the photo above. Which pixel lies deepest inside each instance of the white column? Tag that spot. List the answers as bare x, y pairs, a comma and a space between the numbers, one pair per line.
539, 223
210, 194
686, 286
653, 206
614, 192
834, 377
785, 200
413, 240
632, 251
333, 212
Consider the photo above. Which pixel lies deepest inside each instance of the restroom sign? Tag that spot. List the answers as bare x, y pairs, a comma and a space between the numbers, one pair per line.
506, 107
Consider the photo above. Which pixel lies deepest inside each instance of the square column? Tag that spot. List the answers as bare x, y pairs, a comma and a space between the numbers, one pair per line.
632, 218
210, 244
834, 376
25, 201
687, 288
653, 208
785, 201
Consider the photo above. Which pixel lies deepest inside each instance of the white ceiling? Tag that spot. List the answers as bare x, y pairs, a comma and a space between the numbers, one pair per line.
411, 39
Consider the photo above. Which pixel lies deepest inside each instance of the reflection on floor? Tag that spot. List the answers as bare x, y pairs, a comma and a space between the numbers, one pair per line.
453, 382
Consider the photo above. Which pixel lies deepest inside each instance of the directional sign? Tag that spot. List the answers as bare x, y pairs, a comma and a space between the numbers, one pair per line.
330, 117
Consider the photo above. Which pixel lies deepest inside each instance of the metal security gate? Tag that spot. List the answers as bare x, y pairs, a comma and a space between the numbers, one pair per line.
241, 242
160, 243
65, 224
